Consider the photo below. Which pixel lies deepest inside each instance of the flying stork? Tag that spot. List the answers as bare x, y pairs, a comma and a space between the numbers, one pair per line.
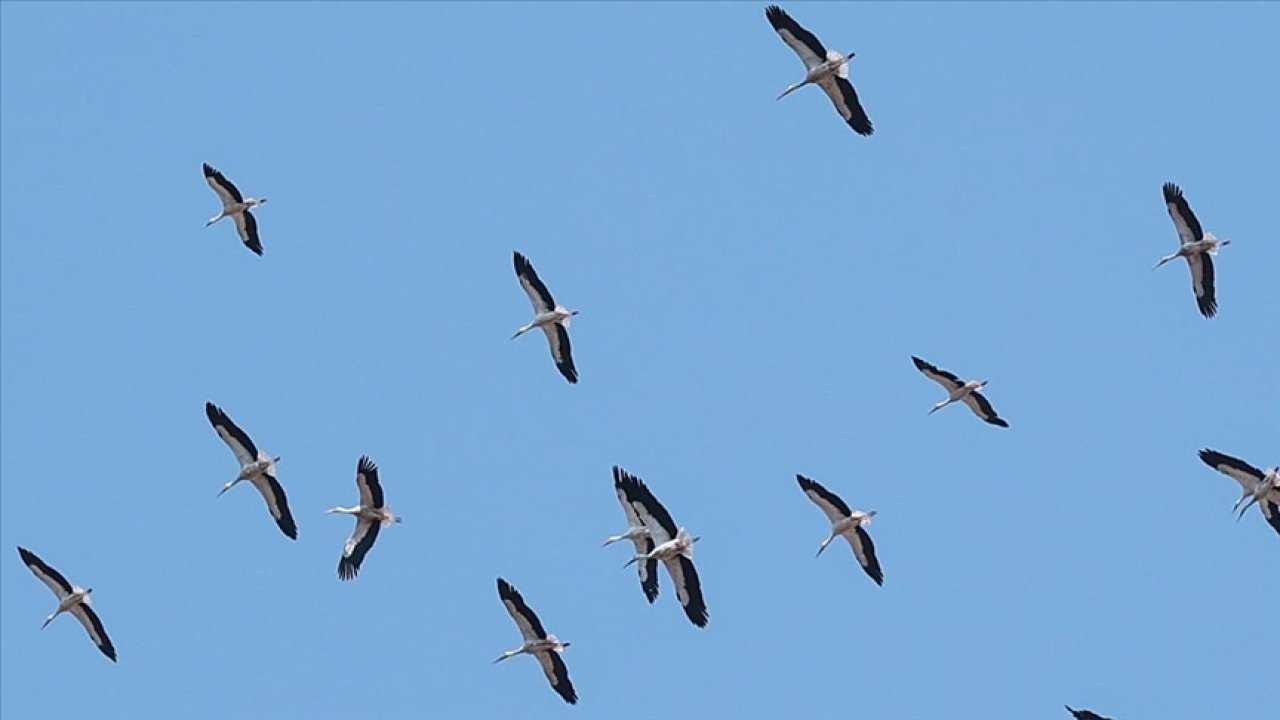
1197, 247
256, 466
72, 599
236, 207
371, 514
546, 648
672, 545
1085, 714
826, 68
845, 522
960, 391
1260, 487
636, 532
552, 318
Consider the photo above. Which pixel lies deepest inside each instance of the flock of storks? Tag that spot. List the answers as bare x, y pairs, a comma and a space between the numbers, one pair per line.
656, 537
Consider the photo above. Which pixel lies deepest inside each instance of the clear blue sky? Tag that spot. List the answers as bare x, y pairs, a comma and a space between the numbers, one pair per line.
753, 279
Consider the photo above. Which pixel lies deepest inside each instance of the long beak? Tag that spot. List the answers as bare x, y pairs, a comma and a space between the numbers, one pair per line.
1248, 505
226, 487
47, 621
631, 562
790, 90
824, 545
504, 656
1162, 261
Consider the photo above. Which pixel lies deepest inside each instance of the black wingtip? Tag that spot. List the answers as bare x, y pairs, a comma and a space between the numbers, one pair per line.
1171, 192
999, 422
347, 570
209, 171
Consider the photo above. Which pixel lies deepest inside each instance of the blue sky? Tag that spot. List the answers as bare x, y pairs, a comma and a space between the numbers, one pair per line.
753, 279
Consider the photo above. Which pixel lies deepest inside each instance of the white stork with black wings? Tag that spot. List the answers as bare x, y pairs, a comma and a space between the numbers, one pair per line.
236, 207
1260, 487
636, 532
552, 318
72, 599
256, 466
1197, 246
372, 514
672, 545
845, 522
546, 648
827, 68
960, 391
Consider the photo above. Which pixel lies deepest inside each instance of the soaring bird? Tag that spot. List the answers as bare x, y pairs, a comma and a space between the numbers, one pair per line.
236, 207
72, 599
552, 318
1197, 247
371, 514
1085, 714
256, 466
1260, 487
828, 69
537, 642
960, 391
846, 522
671, 544
636, 532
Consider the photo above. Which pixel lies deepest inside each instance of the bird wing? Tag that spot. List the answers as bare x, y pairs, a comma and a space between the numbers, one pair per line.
235, 438
942, 377
277, 503
367, 481
1202, 283
227, 192
365, 534
93, 624
1184, 220
247, 226
865, 551
1085, 714
526, 619
647, 569
804, 43
561, 351
47, 575
537, 291
688, 588
558, 675
981, 407
845, 98
832, 506
651, 512
1242, 472
1271, 511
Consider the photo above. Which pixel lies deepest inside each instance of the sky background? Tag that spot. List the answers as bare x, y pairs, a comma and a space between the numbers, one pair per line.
753, 279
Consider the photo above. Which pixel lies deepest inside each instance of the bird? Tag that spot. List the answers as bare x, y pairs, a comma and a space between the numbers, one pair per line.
958, 391
371, 514
546, 648
256, 466
1260, 487
672, 545
72, 599
637, 533
1085, 714
552, 318
828, 69
236, 207
846, 522
1197, 247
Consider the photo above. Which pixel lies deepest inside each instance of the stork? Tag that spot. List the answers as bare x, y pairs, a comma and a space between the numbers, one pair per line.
256, 466
828, 69
1260, 487
672, 545
960, 391
72, 599
552, 318
546, 648
236, 207
636, 532
1085, 714
1197, 246
846, 522
371, 514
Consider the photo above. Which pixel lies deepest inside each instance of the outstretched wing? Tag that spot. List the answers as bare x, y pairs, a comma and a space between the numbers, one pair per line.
865, 550
93, 625
942, 377
537, 291
804, 43
46, 574
981, 407
358, 545
227, 192
845, 98
235, 438
1184, 220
